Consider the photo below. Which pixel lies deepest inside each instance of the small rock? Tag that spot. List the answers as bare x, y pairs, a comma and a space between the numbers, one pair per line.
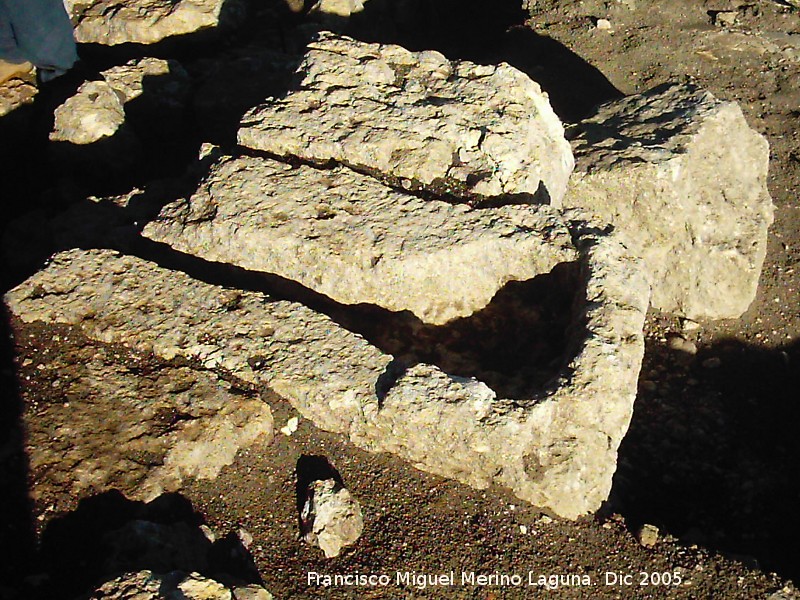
724, 18
648, 386
681, 344
251, 592
331, 517
603, 25
690, 326
545, 520
523, 530
648, 535
290, 427
712, 363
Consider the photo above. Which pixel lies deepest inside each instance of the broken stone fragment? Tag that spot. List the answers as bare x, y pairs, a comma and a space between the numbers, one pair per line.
95, 112
683, 179
555, 448
331, 517
347, 236
418, 120
175, 585
109, 22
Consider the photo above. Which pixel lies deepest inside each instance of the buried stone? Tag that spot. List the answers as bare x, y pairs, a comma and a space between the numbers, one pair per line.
555, 449
345, 235
417, 120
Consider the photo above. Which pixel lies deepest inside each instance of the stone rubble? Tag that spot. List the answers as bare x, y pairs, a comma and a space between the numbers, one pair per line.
110, 23
355, 240
175, 585
418, 121
557, 450
331, 517
683, 179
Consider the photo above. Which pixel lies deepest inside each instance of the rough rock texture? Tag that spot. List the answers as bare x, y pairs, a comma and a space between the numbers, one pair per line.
355, 240
162, 547
556, 450
141, 21
338, 8
15, 93
169, 426
176, 585
417, 119
165, 80
93, 113
684, 180
331, 517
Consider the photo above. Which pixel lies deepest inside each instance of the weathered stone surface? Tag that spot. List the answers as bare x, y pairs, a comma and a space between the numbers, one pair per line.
93, 113
145, 435
556, 449
106, 124
176, 585
682, 177
331, 517
355, 240
418, 120
251, 592
141, 21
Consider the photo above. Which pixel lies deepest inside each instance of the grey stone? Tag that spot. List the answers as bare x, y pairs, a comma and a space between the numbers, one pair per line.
556, 449
109, 22
417, 120
683, 178
355, 240
331, 517
112, 433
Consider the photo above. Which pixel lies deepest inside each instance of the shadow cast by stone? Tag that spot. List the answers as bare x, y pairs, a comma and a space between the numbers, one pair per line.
710, 452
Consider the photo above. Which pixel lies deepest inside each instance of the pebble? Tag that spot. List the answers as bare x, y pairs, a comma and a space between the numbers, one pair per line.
291, 426
648, 535
523, 530
712, 363
681, 344
603, 24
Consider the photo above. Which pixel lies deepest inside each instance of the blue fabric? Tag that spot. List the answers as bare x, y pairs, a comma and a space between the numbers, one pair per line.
38, 31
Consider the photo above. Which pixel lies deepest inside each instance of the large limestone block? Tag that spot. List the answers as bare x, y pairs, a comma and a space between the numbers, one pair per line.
109, 22
683, 179
556, 448
355, 240
418, 120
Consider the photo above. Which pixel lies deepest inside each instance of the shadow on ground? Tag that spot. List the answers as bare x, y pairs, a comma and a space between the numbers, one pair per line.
711, 455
